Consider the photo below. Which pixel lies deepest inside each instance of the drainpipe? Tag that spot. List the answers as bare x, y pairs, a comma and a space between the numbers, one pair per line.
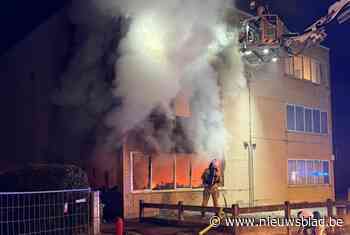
250, 146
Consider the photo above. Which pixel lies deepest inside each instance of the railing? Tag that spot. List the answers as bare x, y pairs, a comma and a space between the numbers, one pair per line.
45, 212
343, 207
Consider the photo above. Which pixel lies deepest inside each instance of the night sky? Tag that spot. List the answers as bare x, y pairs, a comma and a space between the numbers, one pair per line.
19, 17
298, 15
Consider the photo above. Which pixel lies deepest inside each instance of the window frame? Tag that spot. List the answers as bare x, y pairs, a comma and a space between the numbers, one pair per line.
312, 120
175, 189
291, 65
306, 179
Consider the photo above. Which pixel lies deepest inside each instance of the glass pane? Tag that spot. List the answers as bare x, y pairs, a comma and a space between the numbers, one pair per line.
324, 123
199, 164
141, 173
288, 63
318, 172
301, 172
298, 67
162, 171
292, 171
183, 170
299, 118
310, 172
316, 120
315, 71
326, 172
308, 120
307, 68
291, 117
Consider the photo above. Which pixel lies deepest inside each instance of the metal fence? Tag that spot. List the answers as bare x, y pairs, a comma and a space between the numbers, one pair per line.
46, 212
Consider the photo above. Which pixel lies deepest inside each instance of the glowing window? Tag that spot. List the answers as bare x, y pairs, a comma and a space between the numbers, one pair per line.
298, 66
162, 171
306, 68
289, 66
199, 164
292, 172
303, 67
183, 171
141, 171
325, 171
301, 172
311, 178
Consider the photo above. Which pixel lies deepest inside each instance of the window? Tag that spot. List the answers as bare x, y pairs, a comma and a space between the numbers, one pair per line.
315, 71
308, 172
162, 171
308, 120
298, 67
299, 118
300, 172
168, 171
199, 164
183, 171
291, 117
303, 67
307, 68
325, 171
317, 122
141, 171
324, 123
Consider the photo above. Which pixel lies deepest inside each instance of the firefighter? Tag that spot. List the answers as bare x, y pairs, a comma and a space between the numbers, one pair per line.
211, 180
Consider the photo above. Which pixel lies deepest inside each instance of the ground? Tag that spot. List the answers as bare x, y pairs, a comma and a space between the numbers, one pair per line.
135, 228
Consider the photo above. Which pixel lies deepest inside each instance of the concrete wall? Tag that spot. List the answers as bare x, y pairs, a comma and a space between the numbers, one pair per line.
34, 64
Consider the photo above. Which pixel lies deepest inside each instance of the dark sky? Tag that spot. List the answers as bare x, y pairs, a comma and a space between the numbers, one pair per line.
19, 17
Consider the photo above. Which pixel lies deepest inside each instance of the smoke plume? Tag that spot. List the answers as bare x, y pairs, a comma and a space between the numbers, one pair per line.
168, 47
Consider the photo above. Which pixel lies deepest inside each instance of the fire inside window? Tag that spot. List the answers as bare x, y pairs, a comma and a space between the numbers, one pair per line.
168, 171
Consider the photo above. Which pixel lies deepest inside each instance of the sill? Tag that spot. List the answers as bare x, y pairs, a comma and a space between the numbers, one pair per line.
309, 185
172, 190
307, 133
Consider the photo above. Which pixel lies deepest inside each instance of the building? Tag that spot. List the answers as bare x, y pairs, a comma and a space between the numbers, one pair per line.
281, 124
281, 150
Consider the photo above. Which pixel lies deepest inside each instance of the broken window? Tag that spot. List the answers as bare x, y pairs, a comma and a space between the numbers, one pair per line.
141, 171
199, 164
165, 171
162, 171
183, 171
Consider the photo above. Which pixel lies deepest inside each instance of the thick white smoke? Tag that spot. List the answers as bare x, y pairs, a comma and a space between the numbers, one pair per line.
169, 47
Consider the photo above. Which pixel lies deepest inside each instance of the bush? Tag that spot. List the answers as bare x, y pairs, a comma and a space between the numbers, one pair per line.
43, 177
